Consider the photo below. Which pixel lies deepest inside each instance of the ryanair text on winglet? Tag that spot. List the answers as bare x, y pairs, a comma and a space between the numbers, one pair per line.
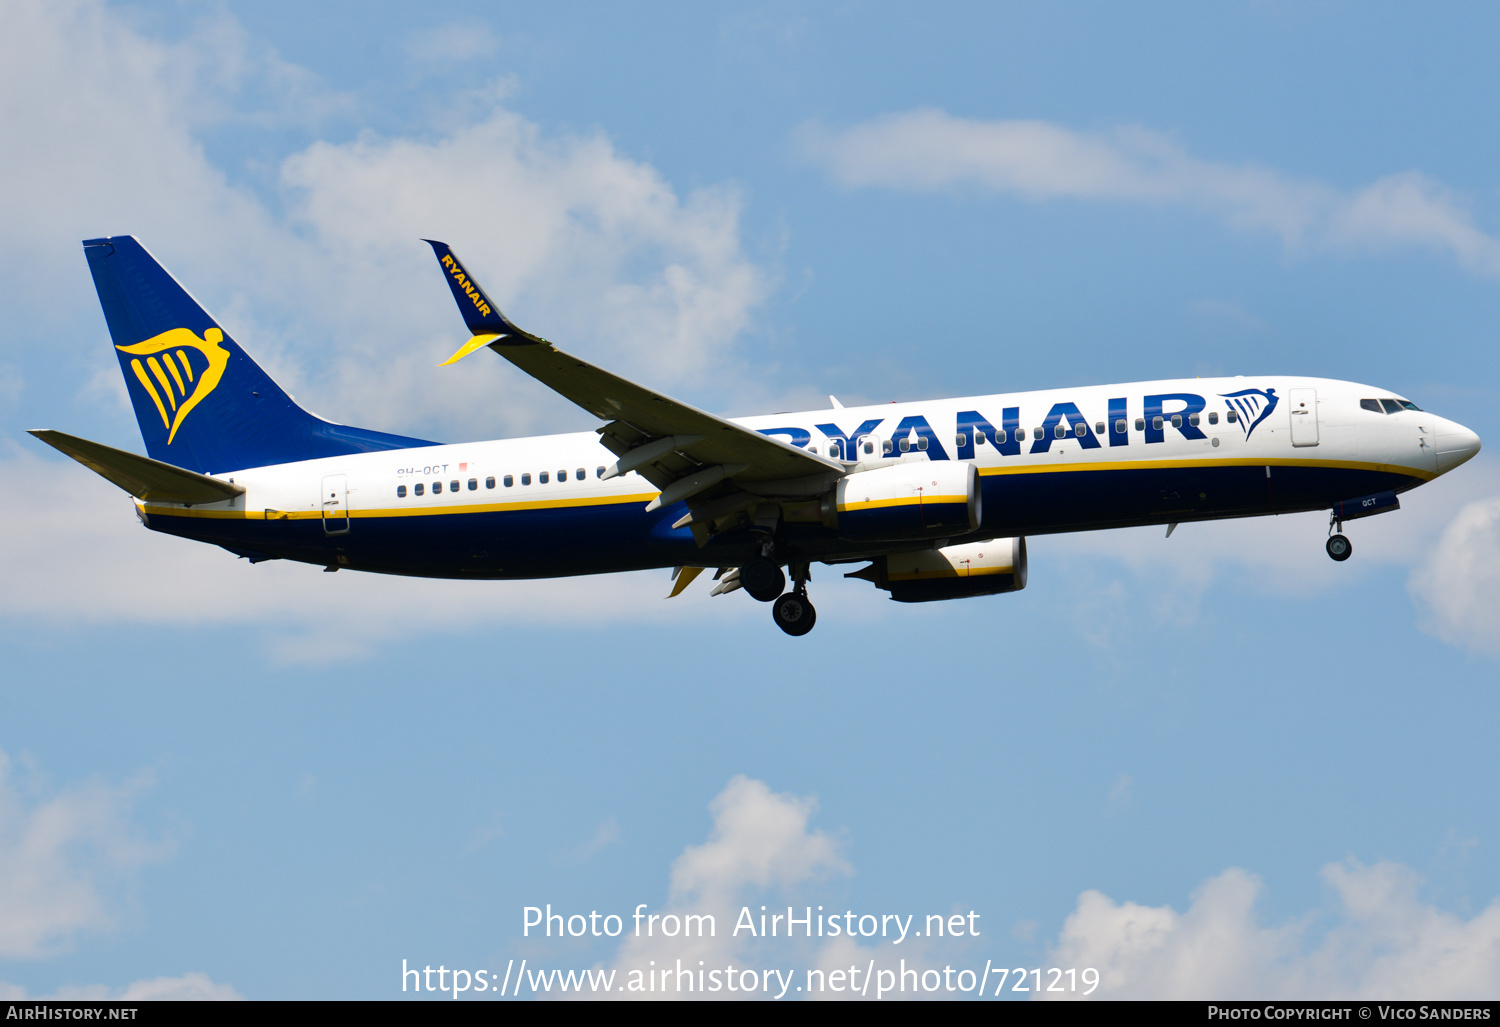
456, 269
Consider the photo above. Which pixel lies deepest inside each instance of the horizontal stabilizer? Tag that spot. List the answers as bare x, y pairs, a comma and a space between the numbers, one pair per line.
144, 478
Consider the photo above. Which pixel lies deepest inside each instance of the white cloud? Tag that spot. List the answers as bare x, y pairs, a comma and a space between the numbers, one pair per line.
1379, 941
763, 854
1459, 584
190, 987
1452, 565
77, 555
928, 150
329, 284
453, 41
761, 844
607, 834
65, 858
574, 240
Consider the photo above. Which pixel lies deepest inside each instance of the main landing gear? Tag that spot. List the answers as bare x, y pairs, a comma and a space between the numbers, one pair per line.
794, 614
764, 580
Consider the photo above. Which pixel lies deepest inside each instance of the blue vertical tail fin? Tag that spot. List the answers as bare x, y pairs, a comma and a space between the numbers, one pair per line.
200, 400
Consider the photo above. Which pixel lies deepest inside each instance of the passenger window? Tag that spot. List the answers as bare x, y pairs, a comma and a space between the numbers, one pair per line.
453, 486
961, 440
1372, 405
526, 478
1081, 430
1140, 423
1059, 431
1001, 436
1193, 419
599, 471
1232, 417
580, 474
1098, 427
1156, 423
489, 482
1213, 417
1391, 406
1176, 420
869, 447
905, 445
1120, 426
508, 480
416, 489
474, 484
400, 491
922, 443
437, 487
562, 475
885, 447
1037, 433
541, 478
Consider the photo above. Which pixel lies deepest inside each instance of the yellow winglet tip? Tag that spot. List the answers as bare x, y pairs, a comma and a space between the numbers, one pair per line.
477, 342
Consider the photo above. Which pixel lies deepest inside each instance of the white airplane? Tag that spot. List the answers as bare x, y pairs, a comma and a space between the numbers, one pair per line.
935, 498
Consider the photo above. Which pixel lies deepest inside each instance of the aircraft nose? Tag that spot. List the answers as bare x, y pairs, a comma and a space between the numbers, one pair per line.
1455, 444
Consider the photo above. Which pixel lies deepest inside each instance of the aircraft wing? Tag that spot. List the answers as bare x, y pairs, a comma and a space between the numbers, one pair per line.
688, 453
144, 478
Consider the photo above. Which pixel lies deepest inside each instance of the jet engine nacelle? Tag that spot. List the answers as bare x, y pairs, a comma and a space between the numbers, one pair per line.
953, 572
917, 499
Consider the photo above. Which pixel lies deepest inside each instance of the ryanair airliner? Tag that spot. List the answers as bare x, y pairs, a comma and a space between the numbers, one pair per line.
935, 499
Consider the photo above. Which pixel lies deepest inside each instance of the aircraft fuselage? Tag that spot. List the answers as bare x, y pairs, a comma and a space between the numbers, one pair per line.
1048, 461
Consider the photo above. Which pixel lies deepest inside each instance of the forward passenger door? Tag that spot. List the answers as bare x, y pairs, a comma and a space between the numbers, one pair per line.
1304, 404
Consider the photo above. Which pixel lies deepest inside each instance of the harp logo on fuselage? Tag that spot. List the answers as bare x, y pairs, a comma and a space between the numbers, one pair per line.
168, 373
1253, 406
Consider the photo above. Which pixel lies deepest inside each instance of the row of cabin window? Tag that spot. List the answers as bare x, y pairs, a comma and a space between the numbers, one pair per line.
886, 446
1059, 431
508, 481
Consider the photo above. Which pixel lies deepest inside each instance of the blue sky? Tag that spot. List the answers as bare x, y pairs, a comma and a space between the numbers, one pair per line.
1215, 764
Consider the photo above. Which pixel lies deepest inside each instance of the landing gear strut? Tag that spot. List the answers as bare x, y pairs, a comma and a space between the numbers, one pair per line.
793, 612
1339, 547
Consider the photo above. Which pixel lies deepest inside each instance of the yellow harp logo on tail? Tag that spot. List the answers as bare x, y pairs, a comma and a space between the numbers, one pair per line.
166, 361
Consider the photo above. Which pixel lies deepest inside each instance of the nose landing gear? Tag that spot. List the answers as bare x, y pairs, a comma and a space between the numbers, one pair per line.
1339, 547
793, 613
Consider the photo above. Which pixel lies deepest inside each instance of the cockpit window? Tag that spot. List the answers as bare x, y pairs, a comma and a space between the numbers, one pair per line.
1391, 406
1407, 404
1372, 405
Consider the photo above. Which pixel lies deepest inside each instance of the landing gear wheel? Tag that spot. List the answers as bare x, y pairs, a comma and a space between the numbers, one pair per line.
762, 579
1339, 547
794, 614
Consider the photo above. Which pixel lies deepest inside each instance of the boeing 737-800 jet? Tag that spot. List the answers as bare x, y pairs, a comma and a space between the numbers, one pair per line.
934, 498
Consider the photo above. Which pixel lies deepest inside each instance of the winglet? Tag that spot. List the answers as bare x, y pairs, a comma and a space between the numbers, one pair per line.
483, 339
485, 319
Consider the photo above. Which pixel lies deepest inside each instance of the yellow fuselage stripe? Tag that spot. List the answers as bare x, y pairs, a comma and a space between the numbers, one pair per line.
1144, 465
558, 504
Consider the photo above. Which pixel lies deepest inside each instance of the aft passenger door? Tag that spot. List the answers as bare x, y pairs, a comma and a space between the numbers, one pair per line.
335, 503
1304, 403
